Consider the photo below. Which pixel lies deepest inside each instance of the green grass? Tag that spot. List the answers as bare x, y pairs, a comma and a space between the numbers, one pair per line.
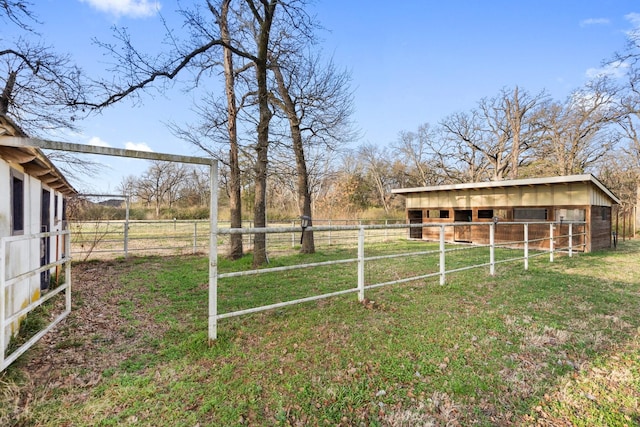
557, 344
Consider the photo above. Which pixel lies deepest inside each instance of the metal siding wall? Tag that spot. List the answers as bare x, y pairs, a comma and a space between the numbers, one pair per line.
574, 194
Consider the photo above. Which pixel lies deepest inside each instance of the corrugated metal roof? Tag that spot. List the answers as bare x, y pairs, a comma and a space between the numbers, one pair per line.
512, 183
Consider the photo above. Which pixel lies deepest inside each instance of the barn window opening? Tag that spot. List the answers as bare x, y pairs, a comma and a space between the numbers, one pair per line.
530, 214
17, 203
435, 213
485, 213
570, 214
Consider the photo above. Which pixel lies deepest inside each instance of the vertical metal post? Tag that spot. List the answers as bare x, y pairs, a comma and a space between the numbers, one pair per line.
67, 270
213, 252
361, 264
293, 235
492, 249
329, 233
551, 242
195, 236
570, 240
3, 327
126, 226
526, 246
442, 257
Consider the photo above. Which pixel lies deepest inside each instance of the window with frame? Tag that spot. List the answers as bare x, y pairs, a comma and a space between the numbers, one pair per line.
17, 202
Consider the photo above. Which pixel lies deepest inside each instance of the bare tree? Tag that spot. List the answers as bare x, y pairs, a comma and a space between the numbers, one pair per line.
161, 184
462, 133
18, 12
502, 129
576, 133
424, 157
138, 72
40, 87
317, 104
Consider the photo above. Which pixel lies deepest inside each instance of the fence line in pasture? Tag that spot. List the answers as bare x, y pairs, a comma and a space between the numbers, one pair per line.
112, 238
443, 253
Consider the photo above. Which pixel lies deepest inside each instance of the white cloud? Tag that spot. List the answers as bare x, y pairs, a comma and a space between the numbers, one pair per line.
98, 142
594, 21
616, 70
129, 8
634, 18
138, 146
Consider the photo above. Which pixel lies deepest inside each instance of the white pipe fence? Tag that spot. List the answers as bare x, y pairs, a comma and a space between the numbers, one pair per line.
109, 238
24, 279
361, 260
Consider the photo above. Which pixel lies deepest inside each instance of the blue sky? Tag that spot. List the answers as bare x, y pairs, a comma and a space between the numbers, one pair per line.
412, 62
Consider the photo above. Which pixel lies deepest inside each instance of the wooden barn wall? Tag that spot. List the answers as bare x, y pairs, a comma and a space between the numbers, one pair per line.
600, 227
462, 232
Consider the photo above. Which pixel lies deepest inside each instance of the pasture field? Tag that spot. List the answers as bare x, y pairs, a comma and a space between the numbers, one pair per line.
558, 344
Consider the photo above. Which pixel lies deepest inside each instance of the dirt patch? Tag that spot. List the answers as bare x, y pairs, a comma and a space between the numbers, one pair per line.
99, 334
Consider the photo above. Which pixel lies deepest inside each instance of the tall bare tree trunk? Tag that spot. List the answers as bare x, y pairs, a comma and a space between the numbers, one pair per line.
235, 201
304, 195
262, 145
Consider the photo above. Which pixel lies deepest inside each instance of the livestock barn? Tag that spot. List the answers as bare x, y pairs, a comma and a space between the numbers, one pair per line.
578, 199
32, 200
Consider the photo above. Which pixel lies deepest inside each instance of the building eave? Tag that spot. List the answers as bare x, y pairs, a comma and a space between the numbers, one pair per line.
527, 182
31, 159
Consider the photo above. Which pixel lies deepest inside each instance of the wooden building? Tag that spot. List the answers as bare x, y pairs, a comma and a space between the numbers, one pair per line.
32, 201
578, 199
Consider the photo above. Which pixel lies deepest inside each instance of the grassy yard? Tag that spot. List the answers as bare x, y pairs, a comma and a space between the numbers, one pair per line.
556, 345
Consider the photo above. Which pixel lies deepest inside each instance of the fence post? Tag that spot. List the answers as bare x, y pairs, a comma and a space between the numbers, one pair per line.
67, 269
526, 246
213, 252
126, 228
329, 232
570, 240
386, 229
3, 294
293, 235
442, 257
361, 264
195, 236
492, 249
551, 242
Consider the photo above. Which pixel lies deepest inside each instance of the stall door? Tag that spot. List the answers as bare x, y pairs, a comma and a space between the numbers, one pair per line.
415, 217
462, 233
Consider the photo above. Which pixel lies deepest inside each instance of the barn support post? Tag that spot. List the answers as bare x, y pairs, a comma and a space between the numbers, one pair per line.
361, 263
213, 252
551, 226
442, 257
526, 246
492, 249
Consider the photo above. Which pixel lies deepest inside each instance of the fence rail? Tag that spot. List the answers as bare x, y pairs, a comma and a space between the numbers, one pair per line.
8, 287
104, 239
361, 260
